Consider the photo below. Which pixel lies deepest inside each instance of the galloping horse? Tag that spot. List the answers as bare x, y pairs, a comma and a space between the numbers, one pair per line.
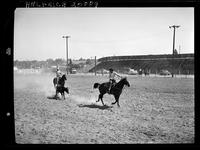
116, 90
60, 87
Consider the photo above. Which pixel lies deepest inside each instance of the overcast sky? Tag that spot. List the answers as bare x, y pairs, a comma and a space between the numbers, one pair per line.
101, 32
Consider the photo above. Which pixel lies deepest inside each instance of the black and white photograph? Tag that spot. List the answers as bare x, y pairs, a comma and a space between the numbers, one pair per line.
107, 75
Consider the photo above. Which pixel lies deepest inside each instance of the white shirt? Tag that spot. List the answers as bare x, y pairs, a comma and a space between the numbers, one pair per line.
113, 74
58, 73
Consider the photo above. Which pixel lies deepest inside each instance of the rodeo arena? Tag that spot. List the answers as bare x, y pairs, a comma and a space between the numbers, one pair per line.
151, 102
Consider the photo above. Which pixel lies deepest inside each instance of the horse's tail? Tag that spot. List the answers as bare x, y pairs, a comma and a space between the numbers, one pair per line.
96, 85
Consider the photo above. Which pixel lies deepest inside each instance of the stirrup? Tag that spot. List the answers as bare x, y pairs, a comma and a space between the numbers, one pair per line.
109, 91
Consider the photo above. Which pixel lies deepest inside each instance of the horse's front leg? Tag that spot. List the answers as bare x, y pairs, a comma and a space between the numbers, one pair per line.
116, 100
56, 96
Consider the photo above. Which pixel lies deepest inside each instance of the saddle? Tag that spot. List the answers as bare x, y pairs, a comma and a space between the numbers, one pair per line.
112, 85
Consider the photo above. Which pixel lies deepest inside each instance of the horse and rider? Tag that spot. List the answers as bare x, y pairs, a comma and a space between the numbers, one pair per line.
112, 79
59, 83
112, 87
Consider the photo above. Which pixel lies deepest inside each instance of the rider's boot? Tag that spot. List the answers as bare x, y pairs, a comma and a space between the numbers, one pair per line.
109, 90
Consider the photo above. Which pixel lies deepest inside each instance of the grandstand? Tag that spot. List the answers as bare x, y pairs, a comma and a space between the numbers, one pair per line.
178, 64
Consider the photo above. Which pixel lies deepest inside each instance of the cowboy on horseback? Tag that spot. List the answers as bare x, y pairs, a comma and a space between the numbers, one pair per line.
112, 81
116, 90
58, 76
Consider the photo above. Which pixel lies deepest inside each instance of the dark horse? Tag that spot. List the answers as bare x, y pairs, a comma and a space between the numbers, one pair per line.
60, 87
116, 90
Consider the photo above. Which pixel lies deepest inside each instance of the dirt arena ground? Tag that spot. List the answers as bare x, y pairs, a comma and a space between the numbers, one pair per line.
153, 110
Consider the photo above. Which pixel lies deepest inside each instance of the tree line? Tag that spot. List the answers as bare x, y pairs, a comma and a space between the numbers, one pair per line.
27, 64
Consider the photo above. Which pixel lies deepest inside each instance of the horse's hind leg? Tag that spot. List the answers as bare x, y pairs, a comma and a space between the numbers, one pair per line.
101, 97
98, 98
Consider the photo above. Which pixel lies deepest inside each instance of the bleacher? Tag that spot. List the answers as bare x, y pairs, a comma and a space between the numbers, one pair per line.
180, 63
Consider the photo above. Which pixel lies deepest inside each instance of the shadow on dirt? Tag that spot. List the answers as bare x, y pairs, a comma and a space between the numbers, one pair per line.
96, 106
53, 97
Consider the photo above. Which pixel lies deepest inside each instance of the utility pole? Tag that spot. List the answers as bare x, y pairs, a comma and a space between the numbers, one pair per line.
95, 62
67, 67
174, 27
